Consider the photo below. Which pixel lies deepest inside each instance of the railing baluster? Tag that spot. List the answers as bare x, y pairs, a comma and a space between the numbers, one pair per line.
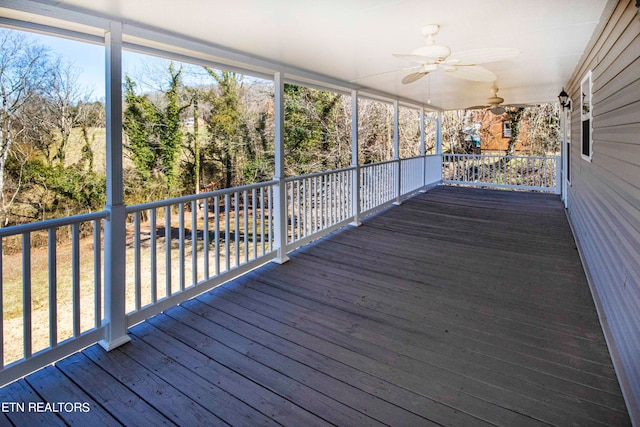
262, 242
53, 286
75, 281
314, 205
254, 219
227, 231
97, 274
1, 307
291, 216
339, 195
245, 212
26, 293
153, 239
167, 245
216, 234
136, 260
205, 237
181, 250
194, 242
298, 216
271, 219
305, 222
236, 226
322, 202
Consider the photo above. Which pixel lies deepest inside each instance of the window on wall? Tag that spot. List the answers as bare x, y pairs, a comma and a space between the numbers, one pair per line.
506, 129
586, 114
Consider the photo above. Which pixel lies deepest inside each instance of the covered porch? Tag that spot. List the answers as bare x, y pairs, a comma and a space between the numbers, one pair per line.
461, 306
398, 293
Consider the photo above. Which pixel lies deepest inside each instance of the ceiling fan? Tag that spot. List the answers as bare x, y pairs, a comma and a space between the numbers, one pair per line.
464, 65
494, 103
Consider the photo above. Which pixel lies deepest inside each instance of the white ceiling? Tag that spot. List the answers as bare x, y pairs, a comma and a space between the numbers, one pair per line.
352, 39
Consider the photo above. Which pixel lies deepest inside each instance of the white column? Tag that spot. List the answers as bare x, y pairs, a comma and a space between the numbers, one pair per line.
396, 151
564, 156
355, 161
422, 149
439, 133
439, 140
280, 199
422, 136
114, 322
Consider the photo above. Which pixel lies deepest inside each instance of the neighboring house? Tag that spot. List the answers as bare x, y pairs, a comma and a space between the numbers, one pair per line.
603, 194
496, 135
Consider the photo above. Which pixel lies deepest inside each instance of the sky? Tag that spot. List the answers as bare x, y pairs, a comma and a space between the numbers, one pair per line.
89, 59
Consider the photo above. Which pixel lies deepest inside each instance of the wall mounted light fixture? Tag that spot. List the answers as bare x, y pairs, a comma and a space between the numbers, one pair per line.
565, 101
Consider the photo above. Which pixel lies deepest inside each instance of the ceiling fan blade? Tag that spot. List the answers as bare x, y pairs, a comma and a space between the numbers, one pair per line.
415, 58
482, 56
410, 78
518, 105
477, 107
370, 76
474, 73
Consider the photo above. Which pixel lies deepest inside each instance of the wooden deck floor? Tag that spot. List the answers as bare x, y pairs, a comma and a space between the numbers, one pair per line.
459, 307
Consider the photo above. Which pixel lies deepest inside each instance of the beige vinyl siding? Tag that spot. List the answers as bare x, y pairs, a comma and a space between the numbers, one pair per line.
604, 196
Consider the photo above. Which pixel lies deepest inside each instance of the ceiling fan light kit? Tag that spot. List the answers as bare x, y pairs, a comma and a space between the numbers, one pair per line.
493, 103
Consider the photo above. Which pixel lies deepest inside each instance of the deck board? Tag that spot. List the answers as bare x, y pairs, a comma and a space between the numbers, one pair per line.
459, 307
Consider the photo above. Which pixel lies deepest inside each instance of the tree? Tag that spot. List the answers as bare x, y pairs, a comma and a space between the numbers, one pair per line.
225, 122
140, 117
375, 130
515, 118
66, 106
315, 137
154, 129
24, 66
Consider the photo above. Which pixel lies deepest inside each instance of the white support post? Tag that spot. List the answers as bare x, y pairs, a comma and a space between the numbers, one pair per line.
564, 178
423, 150
559, 177
280, 194
439, 140
355, 161
396, 151
439, 133
115, 324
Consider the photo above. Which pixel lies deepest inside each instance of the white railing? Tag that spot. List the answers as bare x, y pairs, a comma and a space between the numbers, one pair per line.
412, 174
51, 288
533, 173
50, 291
184, 245
317, 203
378, 185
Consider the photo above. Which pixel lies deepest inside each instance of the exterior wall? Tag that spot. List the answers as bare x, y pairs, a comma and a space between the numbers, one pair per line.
604, 195
492, 139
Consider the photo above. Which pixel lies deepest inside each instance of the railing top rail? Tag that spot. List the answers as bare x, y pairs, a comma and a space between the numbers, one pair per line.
51, 223
316, 174
370, 165
412, 158
192, 197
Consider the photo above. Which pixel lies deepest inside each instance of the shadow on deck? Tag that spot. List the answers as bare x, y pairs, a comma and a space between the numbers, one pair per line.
459, 307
